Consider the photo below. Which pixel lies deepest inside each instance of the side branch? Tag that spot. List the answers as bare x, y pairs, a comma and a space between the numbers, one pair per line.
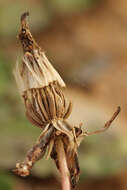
107, 124
35, 154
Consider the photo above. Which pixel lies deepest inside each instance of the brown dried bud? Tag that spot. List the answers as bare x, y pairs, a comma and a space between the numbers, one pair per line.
39, 83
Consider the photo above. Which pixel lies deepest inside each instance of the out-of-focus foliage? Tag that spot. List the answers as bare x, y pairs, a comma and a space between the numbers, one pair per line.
42, 12
72, 5
6, 181
5, 75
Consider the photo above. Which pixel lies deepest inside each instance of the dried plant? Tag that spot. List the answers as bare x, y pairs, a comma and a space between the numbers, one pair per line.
40, 86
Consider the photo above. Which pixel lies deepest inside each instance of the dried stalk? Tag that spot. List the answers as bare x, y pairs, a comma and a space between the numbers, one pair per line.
65, 176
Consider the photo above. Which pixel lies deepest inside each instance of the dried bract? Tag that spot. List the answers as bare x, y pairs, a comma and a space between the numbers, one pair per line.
40, 86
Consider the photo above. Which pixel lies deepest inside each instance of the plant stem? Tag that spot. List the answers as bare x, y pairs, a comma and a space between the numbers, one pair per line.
65, 177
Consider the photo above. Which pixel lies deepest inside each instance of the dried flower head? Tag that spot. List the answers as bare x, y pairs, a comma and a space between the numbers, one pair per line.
40, 86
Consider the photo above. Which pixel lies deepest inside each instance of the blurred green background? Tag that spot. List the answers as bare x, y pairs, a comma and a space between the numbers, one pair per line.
86, 42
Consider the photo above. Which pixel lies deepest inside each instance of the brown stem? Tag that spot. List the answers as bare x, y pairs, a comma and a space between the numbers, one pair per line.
65, 177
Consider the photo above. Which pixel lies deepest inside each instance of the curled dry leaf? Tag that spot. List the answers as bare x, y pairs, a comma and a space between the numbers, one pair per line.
40, 86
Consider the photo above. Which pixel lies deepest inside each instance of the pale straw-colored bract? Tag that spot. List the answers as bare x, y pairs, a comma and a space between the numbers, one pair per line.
35, 72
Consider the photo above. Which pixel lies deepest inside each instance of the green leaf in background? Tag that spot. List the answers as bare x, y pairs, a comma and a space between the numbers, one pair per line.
6, 182
5, 74
72, 5
10, 12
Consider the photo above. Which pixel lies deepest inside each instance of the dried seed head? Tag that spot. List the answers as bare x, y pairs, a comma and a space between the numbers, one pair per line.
40, 85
